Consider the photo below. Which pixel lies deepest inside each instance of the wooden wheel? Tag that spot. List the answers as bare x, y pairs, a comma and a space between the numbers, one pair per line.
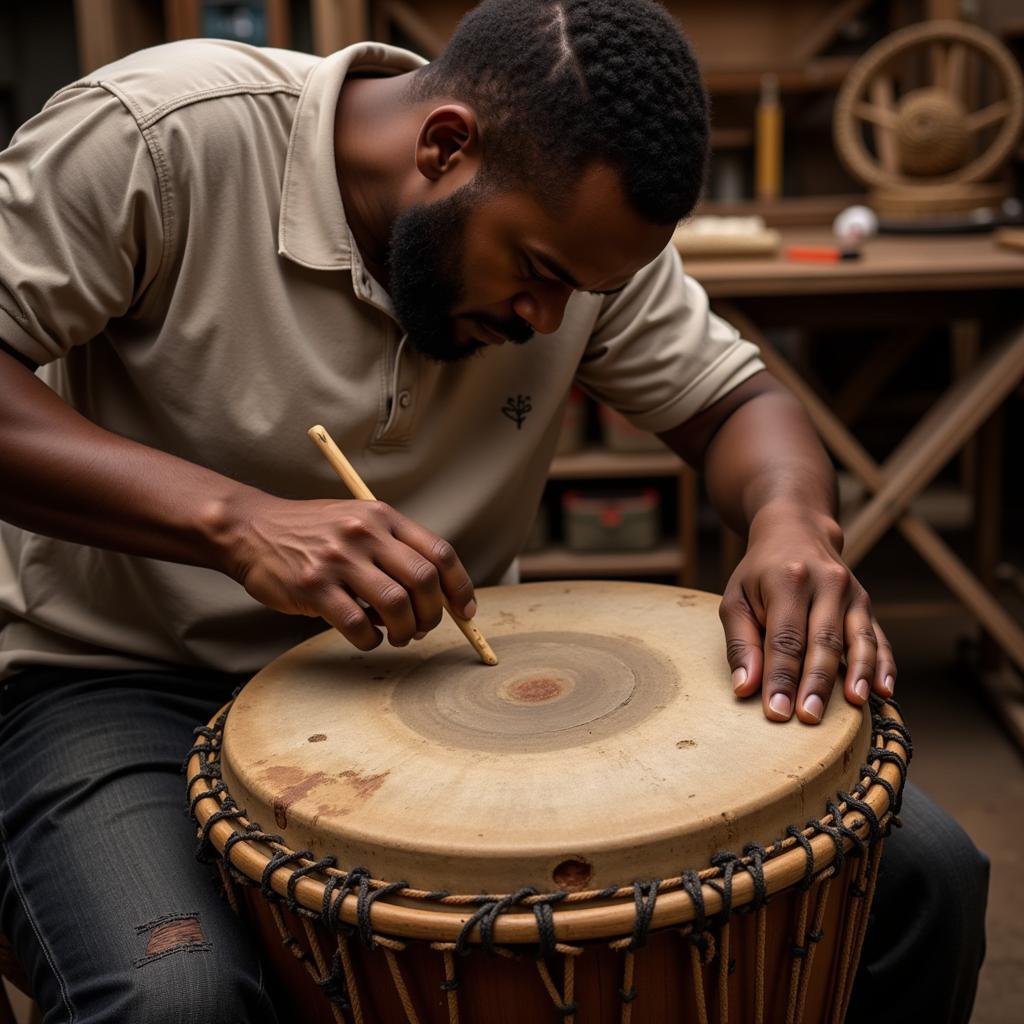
933, 133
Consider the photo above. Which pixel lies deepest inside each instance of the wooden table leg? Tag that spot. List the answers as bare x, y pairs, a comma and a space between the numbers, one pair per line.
988, 517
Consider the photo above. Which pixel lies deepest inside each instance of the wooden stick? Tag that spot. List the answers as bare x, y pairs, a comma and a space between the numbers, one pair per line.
354, 482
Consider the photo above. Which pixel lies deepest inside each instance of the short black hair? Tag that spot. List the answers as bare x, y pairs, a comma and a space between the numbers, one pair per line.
558, 85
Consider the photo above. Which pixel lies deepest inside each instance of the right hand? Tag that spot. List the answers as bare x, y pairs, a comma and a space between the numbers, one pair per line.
317, 557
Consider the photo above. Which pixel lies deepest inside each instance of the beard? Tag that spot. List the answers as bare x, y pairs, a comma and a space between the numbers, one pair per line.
425, 261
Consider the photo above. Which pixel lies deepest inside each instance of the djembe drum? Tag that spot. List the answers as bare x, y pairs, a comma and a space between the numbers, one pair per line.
595, 830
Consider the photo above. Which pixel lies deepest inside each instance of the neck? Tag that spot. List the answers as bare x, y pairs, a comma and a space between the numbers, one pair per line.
374, 146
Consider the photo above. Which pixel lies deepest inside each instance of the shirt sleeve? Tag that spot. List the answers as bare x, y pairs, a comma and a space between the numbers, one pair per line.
657, 353
81, 227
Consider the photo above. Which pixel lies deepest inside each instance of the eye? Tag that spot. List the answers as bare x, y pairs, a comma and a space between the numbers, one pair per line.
532, 271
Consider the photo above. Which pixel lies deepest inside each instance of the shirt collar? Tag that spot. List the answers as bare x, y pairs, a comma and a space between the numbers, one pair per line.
312, 229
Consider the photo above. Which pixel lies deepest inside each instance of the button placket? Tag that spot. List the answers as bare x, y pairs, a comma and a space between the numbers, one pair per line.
402, 397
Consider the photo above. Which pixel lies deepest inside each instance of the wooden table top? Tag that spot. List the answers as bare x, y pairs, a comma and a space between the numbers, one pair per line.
888, 263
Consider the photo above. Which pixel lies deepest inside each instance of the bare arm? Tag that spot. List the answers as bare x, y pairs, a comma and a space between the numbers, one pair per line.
68, 478
792, 610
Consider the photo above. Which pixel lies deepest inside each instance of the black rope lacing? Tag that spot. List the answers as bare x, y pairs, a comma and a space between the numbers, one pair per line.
336, 889
299, 873
365, 902
334, 986
645, 896
874, 826
726, 863
693, 887
485, 916
805, 844
545, 917
279, 859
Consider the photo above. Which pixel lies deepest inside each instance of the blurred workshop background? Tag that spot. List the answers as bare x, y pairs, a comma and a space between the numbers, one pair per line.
900, 324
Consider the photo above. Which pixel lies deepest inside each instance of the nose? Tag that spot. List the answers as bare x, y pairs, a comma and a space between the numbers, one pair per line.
543, 307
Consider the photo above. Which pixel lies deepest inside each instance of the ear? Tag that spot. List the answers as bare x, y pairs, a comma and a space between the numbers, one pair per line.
447, 139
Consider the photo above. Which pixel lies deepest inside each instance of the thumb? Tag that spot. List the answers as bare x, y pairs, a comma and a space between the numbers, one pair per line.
742, 643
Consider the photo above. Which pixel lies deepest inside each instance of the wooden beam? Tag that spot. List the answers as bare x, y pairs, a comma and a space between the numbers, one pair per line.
182, 19
338, 23
107, 30
279, 24
818, 37
944, 10
949, 424
429, 41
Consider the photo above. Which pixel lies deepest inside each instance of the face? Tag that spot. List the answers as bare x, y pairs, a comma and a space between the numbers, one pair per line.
481, 267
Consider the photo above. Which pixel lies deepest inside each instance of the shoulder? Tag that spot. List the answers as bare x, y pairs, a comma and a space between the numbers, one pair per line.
154, 83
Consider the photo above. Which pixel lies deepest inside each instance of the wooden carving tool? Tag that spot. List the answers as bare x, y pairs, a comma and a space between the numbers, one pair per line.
354, 482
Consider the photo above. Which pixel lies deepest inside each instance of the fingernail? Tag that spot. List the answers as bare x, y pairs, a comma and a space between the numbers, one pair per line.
814, 706
739, 677
418, 636
889, 684
862, 689
781, 705
470, 610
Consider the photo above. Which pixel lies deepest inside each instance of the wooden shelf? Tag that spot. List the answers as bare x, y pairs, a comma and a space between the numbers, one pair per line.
561, 563
599, 462
823, 74
731, 138
788, 211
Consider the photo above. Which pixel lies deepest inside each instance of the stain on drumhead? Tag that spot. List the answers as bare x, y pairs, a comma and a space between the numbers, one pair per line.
536, 689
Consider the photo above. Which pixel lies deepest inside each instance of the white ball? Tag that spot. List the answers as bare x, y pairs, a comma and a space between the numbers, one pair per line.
855, 223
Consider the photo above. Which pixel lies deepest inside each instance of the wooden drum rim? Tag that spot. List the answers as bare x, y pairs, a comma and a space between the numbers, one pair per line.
574, 920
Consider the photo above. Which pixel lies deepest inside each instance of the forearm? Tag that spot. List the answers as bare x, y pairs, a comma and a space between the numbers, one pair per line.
66, 477
766, 458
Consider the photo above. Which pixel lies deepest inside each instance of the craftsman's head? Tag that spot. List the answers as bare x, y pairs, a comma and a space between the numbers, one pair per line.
560, 143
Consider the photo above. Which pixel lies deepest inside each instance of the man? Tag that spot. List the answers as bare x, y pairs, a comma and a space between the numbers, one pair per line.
208, 247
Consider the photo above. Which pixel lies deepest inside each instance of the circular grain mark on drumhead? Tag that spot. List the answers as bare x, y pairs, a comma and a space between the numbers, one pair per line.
551, 691
573, 874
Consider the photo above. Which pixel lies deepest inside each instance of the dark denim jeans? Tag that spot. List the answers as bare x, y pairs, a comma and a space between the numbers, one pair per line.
115, 921
100, 893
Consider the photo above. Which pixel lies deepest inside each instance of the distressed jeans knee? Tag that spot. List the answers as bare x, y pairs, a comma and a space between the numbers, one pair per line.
109, 912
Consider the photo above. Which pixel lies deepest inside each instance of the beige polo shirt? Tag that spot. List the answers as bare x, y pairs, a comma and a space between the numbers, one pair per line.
174, 253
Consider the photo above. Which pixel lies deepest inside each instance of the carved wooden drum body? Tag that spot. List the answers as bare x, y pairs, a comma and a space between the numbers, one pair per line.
593, 830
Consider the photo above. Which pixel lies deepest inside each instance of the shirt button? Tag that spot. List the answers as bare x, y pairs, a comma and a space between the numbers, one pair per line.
404, 399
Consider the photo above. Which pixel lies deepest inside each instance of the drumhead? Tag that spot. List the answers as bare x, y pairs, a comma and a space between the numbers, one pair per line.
606, 746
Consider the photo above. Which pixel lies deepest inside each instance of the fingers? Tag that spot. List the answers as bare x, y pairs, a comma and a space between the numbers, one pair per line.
785, 641
421, 582
861, 652
788, 627
821, 662
742, 641
452, 577
403, 573
324, 557
885, 668
345, 615
389, 599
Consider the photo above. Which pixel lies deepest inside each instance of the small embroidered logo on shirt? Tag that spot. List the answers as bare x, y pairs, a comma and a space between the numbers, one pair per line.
516, 409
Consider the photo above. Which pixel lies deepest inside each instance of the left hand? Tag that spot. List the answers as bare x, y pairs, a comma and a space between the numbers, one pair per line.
793, 611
